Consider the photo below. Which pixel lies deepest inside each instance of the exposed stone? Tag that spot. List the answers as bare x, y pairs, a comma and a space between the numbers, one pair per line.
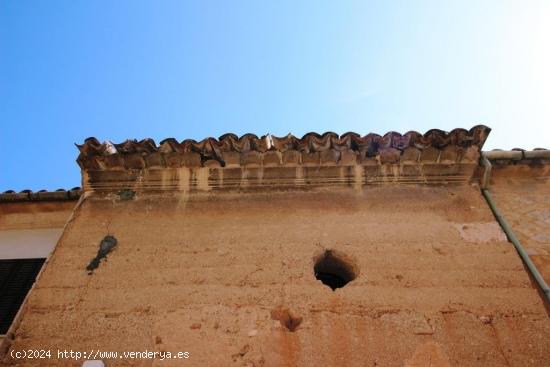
428, 354
480, 232
485, 319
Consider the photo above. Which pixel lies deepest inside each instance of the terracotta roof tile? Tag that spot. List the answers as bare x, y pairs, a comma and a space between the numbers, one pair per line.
520, 156
42, 195
312, 148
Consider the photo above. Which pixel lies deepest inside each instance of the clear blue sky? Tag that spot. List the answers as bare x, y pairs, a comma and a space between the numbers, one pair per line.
191, 69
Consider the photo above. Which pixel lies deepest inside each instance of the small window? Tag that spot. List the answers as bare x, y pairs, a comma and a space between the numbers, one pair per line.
16, 279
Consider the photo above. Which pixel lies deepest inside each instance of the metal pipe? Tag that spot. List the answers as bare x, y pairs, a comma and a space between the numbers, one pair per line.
508, 230
485, 180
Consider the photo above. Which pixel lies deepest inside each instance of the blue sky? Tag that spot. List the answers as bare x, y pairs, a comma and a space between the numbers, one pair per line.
192, 69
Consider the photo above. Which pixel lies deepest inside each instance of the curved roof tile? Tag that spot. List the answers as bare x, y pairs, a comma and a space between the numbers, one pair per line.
41, 195
95, 155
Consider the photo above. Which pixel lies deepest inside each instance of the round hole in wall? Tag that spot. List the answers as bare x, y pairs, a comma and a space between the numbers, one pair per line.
334, 269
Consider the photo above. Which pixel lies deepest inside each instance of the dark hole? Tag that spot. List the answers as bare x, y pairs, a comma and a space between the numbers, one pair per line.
126, 194
332, 280
333, 270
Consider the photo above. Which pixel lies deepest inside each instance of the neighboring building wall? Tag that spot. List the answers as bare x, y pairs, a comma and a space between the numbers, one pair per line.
213, 274
25, 215
29, 229
522, 193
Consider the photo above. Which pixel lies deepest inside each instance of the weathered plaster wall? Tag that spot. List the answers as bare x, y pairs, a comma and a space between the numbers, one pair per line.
206, 274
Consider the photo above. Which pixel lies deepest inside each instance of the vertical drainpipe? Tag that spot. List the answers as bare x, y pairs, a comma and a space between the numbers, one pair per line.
508, 230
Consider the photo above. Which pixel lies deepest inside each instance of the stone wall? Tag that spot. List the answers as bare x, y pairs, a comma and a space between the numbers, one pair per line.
229, 278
